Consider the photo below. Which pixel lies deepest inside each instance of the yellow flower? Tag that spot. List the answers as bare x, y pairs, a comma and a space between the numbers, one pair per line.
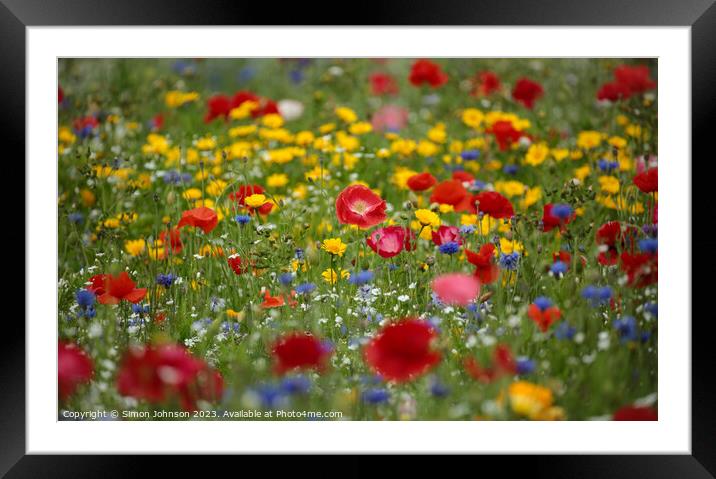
444, 208
216, 187
510, 246
205, 143
510, 188
237, 315
472, 117
272, 120
304, 138
192, 194
330, 275
334, 246
327, 128
255, 201
135, 247
401, 176
360, 128
245, 130
403, 147
88, 198
427, 218
617, 141
66, 136
277, 180
346, 114
533, 196
529, 399
609, 184
589, 139
176, 98
437, 133
559, 154
427, 148
582, 172
536, 154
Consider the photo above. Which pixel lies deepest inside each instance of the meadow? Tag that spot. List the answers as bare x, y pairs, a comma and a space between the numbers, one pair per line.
358, 239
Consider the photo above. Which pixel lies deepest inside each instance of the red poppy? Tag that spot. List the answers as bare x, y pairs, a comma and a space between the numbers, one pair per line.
463, 176
566, 258
74, 368
635, 413
60, 95
120, 287
488, 83
634, 78
421, 181
613, 91
550, 221
174, 239
493, 204
543, 317
505, 134
85, 123
266, 107
157, 122
299, 351
383, 84
611, 236
241, 97
247, 190
402, 350
642, 269
235, 263
425, 71
167, 372
503, 363
648, 181
486, 268
218, 106
358, 205
202, 217
446, 234
451, 192
456, 288
391, 240
97, 283
527, 92
277, 301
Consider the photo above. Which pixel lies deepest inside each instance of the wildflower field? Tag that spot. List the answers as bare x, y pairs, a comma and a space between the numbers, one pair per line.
357, 239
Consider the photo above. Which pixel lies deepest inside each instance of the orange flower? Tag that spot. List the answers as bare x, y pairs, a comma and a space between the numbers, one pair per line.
202, 217
121, 287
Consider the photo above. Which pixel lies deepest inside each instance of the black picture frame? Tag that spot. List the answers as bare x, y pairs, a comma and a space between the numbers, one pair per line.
700, 15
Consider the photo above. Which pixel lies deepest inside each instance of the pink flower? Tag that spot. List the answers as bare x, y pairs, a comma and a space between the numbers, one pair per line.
389, 118
456, 288
391, 240
446, 234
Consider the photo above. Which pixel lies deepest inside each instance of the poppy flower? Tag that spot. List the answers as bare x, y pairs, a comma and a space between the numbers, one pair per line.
97, 284
241, 97
421, 182
120, 287
299, 351
383, 84
611, 236
391, 240
218, 106
244, 191
447, 234
60, 95
648, 181
451, 192
505, 134
157, 122
277, 301
167, 372
202, 217
402, 350
235, 264
503, 363
487, 83
74, 368
358, 205
634, 78
527, 92
85, 126
456, 288
635, 413
493, 204
486, 268
266, 107
463, 176
174, 239
543, 313
556, 216
613, 91
426, 72
642, 269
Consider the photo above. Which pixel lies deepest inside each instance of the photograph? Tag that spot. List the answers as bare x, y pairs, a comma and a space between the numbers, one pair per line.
357, 239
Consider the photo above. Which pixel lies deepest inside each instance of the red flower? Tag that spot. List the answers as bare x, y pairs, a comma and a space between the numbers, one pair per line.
451, 192
74, 368
493, 204
488, 82
463, 176
486, 269
247, 190
642, 269
241, 97
613, 91
421, 181
299, 351
402, 350
358, 205
425, 71
167, 372
456, 288
277, 301
648, 181
550, 221
610, 234
85, 123
218, 106
503, 362
60, 95
382, 84
526, 92
235, 263
389, 118
97, 283
634, 78
543, 317
635, 413
202, 217
120, 287
505, 134
446, 234
174, 239
157, 122
390, 241
266, 107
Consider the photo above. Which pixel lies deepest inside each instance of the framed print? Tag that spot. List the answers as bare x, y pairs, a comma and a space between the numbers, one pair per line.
237, 236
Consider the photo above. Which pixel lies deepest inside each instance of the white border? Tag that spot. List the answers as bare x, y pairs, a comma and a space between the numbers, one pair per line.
671, 434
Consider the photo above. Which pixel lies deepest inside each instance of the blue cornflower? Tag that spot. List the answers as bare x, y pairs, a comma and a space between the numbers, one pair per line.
558, 268
393, 267
564, 331
375, 396
467, 230
140, 308
246, 74
478, 185
470, 155
606, 165
525, 365
85, 298
438, 389
305, 288
270, 395
286, 278
299, 253
361, 277
216, 304
652, 308
626, 327
651, 230
597, 296
165, 280
76, 218
510, 261
511, 169
242, 219
173, 177
542, 302
451, 247
296, 385
649, 245
296, 76
562, 211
